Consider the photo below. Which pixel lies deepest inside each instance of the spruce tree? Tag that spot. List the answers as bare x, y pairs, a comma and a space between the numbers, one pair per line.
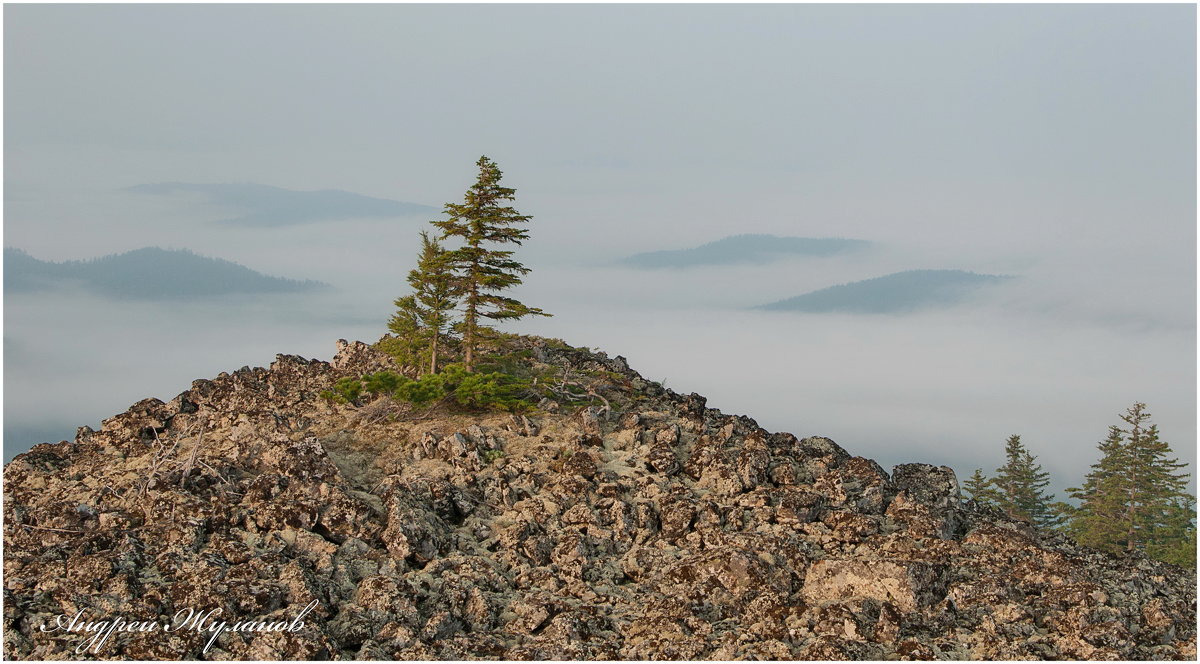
1154, 487
1097, 520
1174, 540
1134, 498
407, 341
1020, 485
979, 488
482, 222
422, 319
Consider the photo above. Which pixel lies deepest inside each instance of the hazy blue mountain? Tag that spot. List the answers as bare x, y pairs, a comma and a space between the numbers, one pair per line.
23, 272
738, 249
149, 273
893, 293
268, 206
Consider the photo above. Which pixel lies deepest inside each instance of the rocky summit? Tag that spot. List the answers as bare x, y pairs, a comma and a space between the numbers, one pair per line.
251, 518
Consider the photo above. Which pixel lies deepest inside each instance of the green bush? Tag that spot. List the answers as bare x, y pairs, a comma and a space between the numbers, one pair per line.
485, 391
346, 390
481, 391
421, 392
556, 343
384, 382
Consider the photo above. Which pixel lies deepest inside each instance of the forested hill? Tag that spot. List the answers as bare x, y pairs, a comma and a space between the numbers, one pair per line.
149, 273
894, 293
265, 206
742, 249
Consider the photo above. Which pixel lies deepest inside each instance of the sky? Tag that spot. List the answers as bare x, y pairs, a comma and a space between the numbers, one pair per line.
1055, 143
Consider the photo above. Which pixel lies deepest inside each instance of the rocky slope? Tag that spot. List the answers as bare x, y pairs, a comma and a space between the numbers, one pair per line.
653, 528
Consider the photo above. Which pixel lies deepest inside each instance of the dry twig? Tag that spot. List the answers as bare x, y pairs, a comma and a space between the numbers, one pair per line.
191, 462
55, 530
158, 460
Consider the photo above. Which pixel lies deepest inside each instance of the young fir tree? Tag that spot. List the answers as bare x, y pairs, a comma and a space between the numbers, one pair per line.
423, 318
1020, 485
1134, 498
1156, 492
1096, 522
483, 222
1174, 540
979, 488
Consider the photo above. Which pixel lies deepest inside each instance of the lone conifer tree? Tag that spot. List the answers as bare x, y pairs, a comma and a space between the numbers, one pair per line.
422, 318
482, 222
1134, 498
1020, 485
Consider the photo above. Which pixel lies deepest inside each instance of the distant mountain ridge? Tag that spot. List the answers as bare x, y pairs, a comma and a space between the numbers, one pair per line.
269, 206
741, 249
148, 274
893, 293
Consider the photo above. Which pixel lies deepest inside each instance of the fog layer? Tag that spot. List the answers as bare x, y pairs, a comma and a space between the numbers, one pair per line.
1052, 143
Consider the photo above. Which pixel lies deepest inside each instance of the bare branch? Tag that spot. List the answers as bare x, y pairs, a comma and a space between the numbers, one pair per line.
159, 459
191, 462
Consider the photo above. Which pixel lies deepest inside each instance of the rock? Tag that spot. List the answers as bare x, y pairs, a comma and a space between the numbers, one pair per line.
413, 530
660, 529
661, 458
935, 486
523, 426
358, 359
589, 418
907, 585
580, 464
667, 437
693, 405
921, 520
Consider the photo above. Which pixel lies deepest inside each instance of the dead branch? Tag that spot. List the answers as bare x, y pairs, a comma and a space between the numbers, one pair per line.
214, 472
55, 530
564, 393
427, 413
159, 460
191, 462
378, 411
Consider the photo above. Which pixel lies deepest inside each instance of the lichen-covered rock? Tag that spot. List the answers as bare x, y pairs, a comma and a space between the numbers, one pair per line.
643, 525
935, 486
907, 585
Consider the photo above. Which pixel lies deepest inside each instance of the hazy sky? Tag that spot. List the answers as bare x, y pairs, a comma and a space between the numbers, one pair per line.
1054, 143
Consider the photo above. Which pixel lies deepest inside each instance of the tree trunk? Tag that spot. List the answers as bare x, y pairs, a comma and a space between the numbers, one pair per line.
1131, 511
1131, 518
433, 350
469, 323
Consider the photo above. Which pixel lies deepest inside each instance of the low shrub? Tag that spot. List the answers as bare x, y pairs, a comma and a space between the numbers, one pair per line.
346, 390
479, 391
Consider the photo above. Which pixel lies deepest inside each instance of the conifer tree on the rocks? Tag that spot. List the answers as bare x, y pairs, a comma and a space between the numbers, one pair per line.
483, 221
1174, 540
422, 319
979, 488
1096, 522
1020, 485
1134, 498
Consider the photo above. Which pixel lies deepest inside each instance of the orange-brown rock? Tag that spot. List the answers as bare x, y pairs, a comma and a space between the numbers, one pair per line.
638, 524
